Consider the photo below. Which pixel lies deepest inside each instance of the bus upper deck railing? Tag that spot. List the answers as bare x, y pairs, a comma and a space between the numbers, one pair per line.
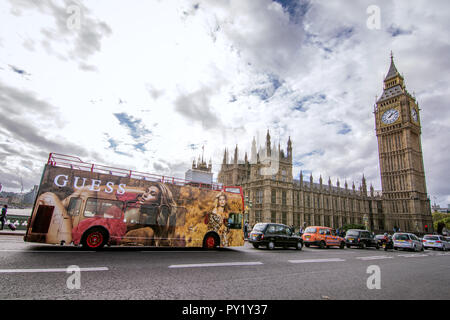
75, 163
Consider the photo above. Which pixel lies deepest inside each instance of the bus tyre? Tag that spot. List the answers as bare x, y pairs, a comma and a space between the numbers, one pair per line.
94, 238
342, 246
210, 241
322, 245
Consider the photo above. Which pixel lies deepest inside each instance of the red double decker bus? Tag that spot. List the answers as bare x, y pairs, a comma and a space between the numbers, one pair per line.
94, 205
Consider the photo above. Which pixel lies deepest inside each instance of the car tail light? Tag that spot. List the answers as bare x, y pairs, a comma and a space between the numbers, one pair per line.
262, 237
424, 240
409, 241
439, 241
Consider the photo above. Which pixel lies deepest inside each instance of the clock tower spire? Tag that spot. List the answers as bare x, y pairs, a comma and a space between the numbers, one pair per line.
398, 129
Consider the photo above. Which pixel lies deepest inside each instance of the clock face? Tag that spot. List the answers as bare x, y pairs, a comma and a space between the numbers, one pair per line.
390, 116
414, 114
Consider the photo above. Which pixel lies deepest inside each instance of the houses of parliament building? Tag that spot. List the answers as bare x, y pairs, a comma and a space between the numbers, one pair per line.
402, 203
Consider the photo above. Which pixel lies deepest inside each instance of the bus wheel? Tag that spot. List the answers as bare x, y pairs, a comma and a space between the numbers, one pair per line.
94, 238
210, 242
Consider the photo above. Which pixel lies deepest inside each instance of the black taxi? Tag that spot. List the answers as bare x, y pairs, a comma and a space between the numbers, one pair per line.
273, 235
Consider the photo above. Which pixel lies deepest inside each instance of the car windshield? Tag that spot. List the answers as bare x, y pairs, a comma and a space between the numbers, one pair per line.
431, 238
259, 227
401, 237
310, 230
352, 233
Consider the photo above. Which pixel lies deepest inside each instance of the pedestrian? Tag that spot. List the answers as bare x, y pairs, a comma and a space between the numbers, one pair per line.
246, 230
3, 215
300, 231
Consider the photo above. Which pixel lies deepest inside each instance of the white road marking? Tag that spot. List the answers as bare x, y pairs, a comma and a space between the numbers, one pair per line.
50, 270
374, 258
316, 260
412, 255
223, 264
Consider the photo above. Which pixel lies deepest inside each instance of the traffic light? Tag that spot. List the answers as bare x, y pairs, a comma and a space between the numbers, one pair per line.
426, 228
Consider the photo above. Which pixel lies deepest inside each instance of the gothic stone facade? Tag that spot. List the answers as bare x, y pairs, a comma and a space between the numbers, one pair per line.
403, 201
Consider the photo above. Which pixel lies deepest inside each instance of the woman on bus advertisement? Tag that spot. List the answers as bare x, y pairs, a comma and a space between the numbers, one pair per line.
218, 218
162, 230
133, 212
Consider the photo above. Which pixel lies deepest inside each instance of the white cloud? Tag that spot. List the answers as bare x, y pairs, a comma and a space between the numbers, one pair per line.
216, 73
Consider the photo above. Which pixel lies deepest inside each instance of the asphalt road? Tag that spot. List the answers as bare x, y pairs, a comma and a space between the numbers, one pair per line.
33, 271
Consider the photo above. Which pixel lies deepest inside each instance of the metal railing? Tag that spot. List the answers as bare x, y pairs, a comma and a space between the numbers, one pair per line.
75, 163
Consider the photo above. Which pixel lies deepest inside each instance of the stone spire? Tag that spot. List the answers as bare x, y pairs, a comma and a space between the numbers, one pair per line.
253, 154
392, 69
289, 149
268, 151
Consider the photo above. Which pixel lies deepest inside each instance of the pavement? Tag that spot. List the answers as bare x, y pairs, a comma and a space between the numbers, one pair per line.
7, 232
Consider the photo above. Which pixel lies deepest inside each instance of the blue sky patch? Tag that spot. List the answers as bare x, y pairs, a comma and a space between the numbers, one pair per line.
135, 126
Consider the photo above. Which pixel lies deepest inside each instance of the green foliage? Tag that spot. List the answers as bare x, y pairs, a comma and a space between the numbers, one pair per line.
354, 226
442, 219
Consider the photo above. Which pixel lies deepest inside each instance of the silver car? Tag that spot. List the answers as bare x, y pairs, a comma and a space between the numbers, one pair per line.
431, 241
407, 241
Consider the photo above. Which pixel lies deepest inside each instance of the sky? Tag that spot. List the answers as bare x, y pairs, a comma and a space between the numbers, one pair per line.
144, 85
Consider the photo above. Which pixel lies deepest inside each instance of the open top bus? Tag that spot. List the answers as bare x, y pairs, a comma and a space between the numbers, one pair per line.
94, 205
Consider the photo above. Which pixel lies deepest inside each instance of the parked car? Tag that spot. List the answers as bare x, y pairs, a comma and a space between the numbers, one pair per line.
361, 239
407, 241
431, 241
323, 237
273, 235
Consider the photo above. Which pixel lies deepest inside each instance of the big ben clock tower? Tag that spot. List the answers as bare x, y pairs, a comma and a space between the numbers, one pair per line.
398, 128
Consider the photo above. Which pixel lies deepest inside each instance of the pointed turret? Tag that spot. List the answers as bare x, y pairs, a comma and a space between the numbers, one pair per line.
253, 154
268, 151
289, 149
393, 72
393, 83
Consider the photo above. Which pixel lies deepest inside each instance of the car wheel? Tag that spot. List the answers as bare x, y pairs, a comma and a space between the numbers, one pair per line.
271, 245
342, 245
299, 245
255, 245
322, 245
362, 245
94, 238
348, 246
377, 246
